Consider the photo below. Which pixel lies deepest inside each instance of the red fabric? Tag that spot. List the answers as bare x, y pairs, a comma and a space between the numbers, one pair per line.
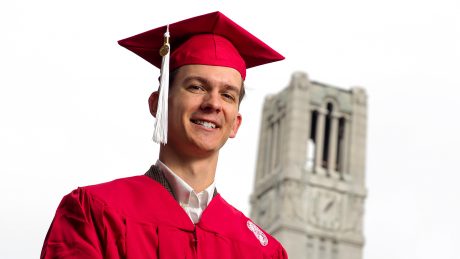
208, 49
251, 50
137, 218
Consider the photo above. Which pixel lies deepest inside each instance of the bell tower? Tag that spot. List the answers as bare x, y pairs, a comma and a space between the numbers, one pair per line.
309, 188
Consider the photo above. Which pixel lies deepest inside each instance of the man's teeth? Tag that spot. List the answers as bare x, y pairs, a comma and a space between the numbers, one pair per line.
206, 124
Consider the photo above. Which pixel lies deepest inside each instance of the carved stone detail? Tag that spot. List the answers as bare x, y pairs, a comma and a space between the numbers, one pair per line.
326, 209
291, 201
266, 209
354, 212
299, 80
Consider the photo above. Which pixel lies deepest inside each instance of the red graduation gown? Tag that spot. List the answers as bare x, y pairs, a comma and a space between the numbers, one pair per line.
136, 217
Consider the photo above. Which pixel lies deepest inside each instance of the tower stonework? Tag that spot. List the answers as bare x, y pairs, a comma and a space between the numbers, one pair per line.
309, 188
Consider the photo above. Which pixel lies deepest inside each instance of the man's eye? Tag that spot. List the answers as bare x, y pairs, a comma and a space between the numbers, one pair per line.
228, 96
195, 88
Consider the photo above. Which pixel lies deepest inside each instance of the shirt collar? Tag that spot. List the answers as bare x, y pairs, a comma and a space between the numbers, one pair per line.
181, 189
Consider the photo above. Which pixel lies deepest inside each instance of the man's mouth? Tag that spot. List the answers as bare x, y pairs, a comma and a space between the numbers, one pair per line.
205, 124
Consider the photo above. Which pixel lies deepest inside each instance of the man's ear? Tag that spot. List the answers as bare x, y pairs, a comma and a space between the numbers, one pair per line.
236, 125
153, 103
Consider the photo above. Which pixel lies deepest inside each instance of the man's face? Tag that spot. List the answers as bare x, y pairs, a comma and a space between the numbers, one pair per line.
203, 108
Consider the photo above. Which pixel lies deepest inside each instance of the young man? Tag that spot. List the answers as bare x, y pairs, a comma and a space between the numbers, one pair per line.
174, 210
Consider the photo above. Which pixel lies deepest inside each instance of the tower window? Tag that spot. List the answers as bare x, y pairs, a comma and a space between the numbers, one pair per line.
340, 145
311, 142
327, 135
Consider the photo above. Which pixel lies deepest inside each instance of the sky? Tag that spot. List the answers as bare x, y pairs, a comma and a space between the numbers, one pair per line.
73, 106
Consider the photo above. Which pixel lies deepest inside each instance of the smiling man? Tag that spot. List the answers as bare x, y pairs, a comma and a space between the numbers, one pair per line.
203, 114
174, 210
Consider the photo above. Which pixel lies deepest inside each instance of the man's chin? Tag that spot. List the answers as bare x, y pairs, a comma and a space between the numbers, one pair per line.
204, 149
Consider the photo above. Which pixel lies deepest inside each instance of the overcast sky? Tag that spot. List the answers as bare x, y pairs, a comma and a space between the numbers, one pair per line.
73, 106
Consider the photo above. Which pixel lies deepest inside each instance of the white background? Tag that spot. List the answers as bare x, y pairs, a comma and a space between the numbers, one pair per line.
73, 106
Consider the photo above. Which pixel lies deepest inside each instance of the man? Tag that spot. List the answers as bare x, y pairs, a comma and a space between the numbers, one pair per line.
174, 210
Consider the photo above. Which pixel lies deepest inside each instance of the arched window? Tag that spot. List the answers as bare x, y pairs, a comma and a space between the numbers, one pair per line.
340, 145
311, 142
268, 142
327, 135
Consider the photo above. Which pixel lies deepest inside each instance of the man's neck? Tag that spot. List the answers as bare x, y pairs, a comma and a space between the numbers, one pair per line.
199, 173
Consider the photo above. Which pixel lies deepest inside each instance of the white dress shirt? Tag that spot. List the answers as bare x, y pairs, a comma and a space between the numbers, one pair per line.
193, 203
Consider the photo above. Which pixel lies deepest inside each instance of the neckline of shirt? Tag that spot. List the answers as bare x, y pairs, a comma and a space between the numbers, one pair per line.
182, 190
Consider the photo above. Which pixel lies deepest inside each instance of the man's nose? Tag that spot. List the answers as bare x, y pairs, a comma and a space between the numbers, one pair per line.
212, 102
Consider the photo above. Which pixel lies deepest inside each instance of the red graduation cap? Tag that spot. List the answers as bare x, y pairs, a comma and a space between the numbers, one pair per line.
209, 39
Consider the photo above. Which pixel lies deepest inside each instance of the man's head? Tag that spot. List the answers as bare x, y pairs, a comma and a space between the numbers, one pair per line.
210, 40
203, 108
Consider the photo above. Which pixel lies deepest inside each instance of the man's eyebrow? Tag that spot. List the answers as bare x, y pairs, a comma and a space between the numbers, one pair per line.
197, 78
232, 88
206, 82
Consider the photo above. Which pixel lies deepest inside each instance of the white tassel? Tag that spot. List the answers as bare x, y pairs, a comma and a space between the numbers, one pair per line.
160, 133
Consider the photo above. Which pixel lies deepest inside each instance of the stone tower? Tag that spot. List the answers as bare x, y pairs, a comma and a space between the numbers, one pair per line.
309, 187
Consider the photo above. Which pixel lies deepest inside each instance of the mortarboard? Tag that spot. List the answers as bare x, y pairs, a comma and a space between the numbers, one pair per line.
209, 39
